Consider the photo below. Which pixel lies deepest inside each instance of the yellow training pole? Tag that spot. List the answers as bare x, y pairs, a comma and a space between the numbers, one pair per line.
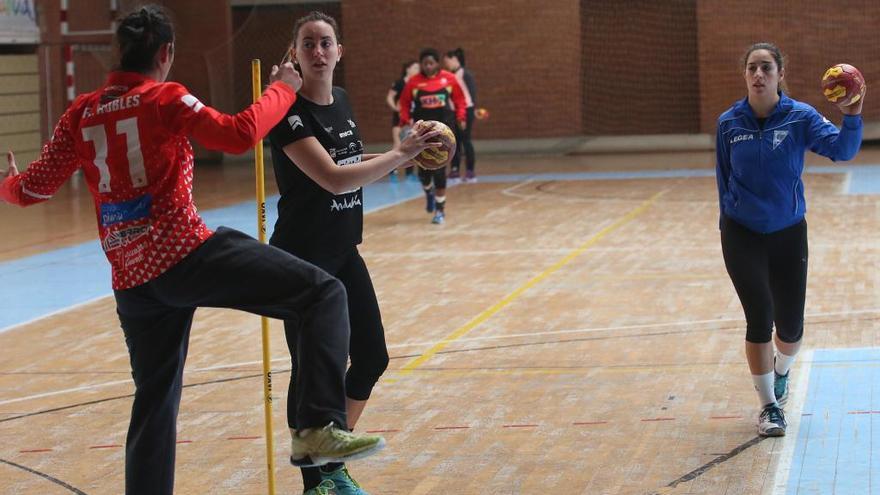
261, 235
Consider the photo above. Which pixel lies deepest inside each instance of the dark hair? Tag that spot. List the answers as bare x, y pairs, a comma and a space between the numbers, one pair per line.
140, 35
314, 16
457, 53
429, 52
405, 66
775, 52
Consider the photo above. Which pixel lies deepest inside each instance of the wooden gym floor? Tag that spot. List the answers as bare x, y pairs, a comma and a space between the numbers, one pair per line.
570, 329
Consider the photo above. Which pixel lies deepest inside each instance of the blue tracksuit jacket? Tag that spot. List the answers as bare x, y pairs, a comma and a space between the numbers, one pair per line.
759, 169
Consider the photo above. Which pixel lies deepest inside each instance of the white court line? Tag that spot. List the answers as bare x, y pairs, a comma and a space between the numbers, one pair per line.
847, 181
470, 339
624, 327
65, 391
798, 396
509, 190
565, 199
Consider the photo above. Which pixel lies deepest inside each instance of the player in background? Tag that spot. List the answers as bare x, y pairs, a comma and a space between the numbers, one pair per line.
433, 94
130, 140
409, 69
760, 146
454, 62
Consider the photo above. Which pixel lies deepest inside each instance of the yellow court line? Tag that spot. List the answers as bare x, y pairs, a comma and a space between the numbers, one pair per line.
485, 315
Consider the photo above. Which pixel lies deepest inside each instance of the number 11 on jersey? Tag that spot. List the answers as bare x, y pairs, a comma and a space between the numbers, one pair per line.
98, 136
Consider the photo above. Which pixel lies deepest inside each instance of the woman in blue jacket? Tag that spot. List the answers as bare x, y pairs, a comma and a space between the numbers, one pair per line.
760, 148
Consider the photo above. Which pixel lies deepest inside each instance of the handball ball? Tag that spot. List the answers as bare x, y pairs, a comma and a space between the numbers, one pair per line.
842, 84
481, 113
434, 158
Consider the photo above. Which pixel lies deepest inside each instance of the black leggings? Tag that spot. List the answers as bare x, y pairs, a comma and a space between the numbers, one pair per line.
437, 176
369, 355
463, 138
769, 272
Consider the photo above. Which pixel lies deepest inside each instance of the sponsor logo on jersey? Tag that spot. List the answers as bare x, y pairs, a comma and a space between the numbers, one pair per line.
778, 138
134, 256
127, 211
345, 204
742, 137
328, 130
332, 153
351, 123
123, 237
346, 133
192, 102
295, 121
350, 160
432, 101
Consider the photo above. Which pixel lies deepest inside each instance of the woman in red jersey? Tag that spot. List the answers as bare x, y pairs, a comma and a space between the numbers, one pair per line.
433, 94
130, 140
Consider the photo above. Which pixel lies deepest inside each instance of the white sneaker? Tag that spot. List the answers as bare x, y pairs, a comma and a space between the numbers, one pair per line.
771, 422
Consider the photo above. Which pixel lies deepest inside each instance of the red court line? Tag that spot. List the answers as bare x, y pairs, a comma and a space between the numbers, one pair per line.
864, 412
449, 427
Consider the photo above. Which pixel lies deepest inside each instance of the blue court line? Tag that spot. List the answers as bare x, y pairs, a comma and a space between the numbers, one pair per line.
834, 452
45, 283
41, 284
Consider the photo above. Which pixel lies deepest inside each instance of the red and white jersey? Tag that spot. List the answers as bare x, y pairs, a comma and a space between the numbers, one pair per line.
130, 140
432, 98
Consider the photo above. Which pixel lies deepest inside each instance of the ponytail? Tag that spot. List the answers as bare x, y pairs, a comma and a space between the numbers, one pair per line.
140, 35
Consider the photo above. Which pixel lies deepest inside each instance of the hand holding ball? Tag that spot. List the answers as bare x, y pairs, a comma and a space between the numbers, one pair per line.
439, 157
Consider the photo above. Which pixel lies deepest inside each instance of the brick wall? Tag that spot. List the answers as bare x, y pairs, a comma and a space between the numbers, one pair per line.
640, 75
811, 38
265, 32
543, 69
525, 56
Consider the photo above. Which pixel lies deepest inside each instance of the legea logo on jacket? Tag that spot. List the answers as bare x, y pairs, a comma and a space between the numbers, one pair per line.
742, 137
778, 138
